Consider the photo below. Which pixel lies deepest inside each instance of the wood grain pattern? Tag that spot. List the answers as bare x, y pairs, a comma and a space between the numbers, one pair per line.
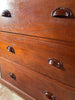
33, 83
34, 53
34, 18
29, 38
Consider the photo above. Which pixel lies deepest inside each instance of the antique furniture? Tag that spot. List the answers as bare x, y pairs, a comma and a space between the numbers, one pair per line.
37, 48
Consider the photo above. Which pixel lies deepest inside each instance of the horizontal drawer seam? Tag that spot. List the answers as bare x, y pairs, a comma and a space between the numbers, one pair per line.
38, 37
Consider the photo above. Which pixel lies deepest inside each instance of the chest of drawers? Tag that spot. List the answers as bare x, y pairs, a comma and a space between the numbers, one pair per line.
37, 48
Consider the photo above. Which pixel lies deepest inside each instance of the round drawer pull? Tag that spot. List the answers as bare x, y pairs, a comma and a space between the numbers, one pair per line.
61, 12
49, 95
12, 76
6, 13
10, 49
56, 63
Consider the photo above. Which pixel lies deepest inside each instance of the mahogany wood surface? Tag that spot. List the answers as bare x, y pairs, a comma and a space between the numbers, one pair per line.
37, 48
34, 53
34, 84
33, 17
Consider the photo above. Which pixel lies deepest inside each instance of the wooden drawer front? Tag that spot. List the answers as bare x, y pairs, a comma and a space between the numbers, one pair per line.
33, 83
34, 53
34, 18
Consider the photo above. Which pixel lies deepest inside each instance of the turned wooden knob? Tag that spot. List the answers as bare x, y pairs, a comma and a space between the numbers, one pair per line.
12, 75
56, 63
49, 95
10, 49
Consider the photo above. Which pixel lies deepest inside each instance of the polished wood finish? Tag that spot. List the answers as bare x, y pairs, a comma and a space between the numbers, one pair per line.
34, 18
34, 83
56, 63
61, 13
10, 49
50, 96
6, 13
12, 75
31, 52
37, 48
